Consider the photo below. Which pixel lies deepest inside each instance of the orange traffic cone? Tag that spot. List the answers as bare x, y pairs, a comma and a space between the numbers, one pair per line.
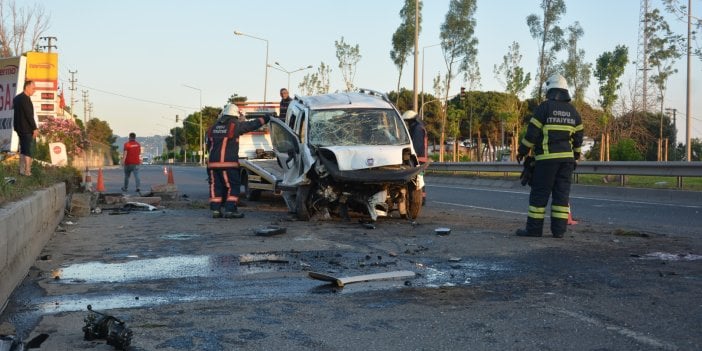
100, 182
170, 176
571, 221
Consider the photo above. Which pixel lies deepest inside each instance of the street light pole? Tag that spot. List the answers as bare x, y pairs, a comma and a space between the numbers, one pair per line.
202, 152
265, 78
282, 69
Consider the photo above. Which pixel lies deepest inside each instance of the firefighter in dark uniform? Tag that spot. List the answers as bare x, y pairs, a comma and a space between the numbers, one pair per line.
555, 134
418, 133
223, 162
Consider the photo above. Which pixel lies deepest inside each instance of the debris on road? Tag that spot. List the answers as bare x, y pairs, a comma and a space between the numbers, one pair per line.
340, 282
102, 326
442, 231
270, 230
138, 206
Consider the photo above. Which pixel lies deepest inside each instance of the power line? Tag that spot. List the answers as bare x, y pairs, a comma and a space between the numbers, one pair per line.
136, 98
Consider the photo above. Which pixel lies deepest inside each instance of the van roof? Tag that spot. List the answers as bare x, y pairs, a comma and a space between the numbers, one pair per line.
343, 100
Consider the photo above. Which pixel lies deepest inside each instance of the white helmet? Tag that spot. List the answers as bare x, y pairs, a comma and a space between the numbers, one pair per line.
230, 110
555, 81
408, 115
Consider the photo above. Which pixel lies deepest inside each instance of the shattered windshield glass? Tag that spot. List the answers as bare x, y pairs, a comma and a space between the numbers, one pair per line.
356, 127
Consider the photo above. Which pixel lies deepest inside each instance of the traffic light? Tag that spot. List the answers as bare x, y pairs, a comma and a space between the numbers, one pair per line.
463, 93
176, 118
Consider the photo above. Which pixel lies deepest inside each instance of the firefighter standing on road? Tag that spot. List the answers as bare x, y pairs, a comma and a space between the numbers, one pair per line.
223, 163
555, 134
418, 133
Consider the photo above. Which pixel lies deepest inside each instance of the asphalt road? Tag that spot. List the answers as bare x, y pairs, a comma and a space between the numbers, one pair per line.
628, 210
184, 281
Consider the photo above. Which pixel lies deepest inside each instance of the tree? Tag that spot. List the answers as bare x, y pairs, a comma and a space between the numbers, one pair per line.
403, 38
625, 150
348, 57
101, 137
510, 74
550, 39
459, 45
20, 26
575, 70
610, 67
316, 83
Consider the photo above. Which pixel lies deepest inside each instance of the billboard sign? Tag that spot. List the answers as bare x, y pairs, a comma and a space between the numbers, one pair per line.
12, 70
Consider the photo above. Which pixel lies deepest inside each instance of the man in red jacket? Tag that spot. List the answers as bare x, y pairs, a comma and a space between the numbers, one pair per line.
223, 163
131, 161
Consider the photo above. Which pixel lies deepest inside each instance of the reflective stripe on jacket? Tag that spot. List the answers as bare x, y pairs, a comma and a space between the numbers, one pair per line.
223, 141
555, 131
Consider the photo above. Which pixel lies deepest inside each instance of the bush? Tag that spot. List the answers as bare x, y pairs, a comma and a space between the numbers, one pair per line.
42, 177
625, 150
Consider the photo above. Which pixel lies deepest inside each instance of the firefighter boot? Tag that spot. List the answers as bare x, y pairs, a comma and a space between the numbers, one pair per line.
234, 214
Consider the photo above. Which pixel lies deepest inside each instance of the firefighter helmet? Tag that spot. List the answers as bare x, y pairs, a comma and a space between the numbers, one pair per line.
555, 81
408, 115
230, 110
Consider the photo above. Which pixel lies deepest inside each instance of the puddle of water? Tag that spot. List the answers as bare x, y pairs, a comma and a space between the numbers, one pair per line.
157, 268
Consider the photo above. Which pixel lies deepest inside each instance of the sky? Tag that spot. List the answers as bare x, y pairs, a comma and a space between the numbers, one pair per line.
135, 57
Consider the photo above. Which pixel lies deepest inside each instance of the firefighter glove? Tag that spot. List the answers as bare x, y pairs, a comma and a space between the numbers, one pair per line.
266, 118
520, 157
576, 155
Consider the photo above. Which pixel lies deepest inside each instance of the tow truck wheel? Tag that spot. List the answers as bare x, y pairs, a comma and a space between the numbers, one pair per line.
415, 202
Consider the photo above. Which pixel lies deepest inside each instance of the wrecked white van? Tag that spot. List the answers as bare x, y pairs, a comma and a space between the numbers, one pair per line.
346, 152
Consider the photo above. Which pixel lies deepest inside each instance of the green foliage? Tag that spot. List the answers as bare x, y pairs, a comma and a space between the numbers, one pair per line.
549, 37
510, 73
348, 56
625, 150
403, 38
42, 176
610, 67
575, 70
662, 50
316, 83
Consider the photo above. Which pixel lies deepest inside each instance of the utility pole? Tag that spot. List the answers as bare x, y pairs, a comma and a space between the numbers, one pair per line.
73, 81
688, 110
85, 108
416, 55
49, 45
675, 129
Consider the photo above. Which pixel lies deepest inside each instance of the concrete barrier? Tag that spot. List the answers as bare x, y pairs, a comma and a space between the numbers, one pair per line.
25, 227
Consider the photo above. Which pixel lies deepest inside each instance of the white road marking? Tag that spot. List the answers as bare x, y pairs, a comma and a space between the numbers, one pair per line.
480, 208
572, 197
639, 337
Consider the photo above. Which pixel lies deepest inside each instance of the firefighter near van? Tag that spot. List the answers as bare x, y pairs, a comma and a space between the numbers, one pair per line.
555, 136
223, 162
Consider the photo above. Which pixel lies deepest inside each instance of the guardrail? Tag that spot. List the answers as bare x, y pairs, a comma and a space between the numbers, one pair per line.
618, 168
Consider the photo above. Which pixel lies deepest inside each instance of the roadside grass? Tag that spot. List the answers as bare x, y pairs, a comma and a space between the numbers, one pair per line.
649, 182
14, 186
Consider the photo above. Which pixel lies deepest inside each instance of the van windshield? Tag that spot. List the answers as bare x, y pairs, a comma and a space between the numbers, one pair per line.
350, 127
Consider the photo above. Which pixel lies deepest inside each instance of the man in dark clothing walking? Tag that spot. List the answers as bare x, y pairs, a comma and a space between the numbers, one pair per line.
25, 126
223, 162
555, 134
